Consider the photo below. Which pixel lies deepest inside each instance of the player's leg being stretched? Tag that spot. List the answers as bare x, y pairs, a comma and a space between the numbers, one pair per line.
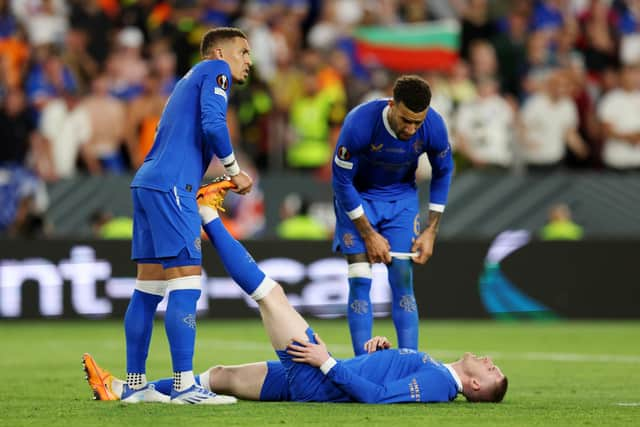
280, 319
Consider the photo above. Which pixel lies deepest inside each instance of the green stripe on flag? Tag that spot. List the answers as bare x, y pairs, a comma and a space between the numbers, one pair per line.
442, 34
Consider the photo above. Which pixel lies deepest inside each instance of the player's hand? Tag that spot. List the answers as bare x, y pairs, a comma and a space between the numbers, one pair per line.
243, 183
377, 248
424, 246
307, 352
377, 343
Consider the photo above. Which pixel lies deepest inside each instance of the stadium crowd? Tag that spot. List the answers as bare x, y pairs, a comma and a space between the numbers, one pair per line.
538, 85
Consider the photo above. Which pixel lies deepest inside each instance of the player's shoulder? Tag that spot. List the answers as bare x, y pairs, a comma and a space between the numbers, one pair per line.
370, 110
434, 123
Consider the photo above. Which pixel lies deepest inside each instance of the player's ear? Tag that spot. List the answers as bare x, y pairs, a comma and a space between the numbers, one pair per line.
475, 384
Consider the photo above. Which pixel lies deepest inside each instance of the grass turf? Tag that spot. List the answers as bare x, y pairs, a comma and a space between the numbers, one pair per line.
560, 373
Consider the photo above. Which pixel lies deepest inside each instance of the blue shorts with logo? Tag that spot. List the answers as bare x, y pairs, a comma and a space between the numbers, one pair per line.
306, 383
166, 227
397, 221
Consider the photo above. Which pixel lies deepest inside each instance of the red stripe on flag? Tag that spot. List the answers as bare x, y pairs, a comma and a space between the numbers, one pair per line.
403, 59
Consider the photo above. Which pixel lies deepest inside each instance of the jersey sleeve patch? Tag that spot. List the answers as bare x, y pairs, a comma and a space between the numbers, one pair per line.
343, 164
219, 91
223, 81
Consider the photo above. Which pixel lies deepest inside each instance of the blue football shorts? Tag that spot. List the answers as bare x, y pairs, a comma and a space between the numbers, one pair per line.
275, 387
166, 228
306, 383
397, 221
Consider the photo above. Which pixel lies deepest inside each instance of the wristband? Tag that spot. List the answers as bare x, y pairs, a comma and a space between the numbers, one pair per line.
327, 365
232, 169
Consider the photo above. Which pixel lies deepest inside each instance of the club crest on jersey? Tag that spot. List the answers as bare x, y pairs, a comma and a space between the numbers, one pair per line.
222, 81
343, 153
417, 146
348, 239
416, 225
376, 148
197, 243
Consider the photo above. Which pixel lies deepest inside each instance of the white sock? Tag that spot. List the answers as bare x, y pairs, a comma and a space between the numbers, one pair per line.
207, 214
183, 380
136, 381
204, 380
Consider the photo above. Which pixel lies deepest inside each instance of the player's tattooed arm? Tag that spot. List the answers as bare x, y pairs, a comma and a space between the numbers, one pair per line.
425, 241
434, 221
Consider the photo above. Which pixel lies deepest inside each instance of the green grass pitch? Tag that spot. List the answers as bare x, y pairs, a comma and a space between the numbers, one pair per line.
560, 373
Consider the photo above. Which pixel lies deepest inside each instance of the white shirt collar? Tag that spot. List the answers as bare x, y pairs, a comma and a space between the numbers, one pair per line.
455, 376
387, 126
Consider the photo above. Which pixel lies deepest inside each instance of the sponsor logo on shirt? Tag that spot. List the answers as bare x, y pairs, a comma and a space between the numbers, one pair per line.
223, 81
414, 390
376, 148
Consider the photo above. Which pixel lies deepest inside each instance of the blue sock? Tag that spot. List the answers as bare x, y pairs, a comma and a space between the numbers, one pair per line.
235, 258
165, 385
359, 312
404, 310
180, 324
138, 325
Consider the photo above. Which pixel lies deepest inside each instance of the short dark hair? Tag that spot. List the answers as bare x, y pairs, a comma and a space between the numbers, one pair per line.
216, 35
413, 92
500, 390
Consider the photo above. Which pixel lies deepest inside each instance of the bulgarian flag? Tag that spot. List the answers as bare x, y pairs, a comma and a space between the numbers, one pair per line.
411, 47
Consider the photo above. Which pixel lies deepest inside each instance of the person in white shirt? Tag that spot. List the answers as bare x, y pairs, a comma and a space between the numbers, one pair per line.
548, 125
483, 128
619, 112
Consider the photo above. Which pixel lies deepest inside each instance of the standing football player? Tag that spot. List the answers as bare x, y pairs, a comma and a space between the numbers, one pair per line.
376, 200
166, 227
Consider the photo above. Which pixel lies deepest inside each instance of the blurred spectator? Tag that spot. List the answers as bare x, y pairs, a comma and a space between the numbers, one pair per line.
14, 56
482, 60
142, 117
297, 223
484, 128
104, 150
311, 121
78, 59
23, 202
544, 141
461, 88
510, 47
48, 78
65, 128
560, 225
598, 40
618, 111
476, 24
16, 128
126, 67
46, 21
89, 17
106, 226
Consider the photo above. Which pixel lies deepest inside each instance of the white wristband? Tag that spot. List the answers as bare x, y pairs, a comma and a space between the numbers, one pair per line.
327, 365
232, 169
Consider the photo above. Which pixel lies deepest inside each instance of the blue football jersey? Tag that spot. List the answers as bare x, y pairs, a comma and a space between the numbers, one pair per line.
193, 128
370, 162
394, 376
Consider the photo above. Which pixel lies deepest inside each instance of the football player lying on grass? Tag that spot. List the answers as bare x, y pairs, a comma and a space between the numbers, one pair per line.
306, 371
264, 381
